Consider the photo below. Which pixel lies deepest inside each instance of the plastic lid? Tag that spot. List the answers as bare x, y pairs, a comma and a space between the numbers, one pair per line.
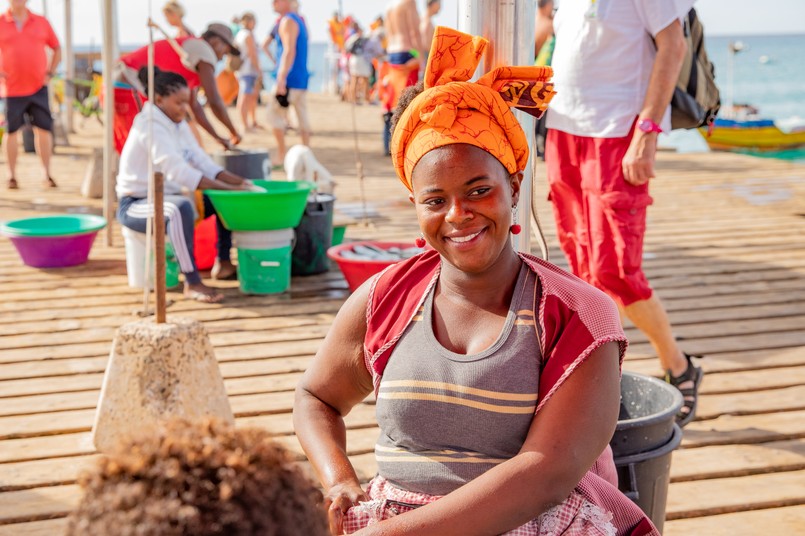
46, 226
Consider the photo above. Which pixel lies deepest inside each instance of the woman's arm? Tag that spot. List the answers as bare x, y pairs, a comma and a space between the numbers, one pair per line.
206, 74
564, 440
267, 48
332, 385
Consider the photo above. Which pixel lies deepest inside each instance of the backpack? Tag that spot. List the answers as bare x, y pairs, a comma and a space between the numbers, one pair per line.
696, 98
357, 46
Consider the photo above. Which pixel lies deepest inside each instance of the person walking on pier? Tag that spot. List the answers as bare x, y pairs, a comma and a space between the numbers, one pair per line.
24, 75
292, 77
616, 68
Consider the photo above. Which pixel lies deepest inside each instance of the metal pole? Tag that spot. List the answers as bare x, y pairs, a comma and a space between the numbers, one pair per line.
69, 67
509, 27
107, 10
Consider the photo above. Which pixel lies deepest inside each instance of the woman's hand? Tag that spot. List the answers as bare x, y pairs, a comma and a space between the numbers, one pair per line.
338, 500
225, 143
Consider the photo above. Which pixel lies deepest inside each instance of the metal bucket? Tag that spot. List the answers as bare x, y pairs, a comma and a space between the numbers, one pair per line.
248, 164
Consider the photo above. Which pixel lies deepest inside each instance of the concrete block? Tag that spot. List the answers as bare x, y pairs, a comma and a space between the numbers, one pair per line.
156, 372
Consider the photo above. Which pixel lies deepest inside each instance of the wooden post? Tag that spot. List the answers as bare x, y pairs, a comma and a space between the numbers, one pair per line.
69, 67
159, 246
109, 46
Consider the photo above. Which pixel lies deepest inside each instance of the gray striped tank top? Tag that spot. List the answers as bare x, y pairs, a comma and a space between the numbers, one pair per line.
446, 418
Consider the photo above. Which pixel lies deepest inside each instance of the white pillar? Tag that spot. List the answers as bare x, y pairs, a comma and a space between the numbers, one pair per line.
69, 67
509, 27
109, 55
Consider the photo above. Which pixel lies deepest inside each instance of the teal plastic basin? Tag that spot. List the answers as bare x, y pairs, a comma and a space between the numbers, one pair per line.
47, 226
281, 207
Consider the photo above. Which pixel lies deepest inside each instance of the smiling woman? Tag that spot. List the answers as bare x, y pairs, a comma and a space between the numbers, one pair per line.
495, 373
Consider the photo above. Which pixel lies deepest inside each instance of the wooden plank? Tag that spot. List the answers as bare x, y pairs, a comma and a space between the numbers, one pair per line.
42, 473
769, 401
41, 447
759, 380
736, 361
737, 460
38, 503
49, 527
735, 494
89, 382
788, 520
747, 429
232, 365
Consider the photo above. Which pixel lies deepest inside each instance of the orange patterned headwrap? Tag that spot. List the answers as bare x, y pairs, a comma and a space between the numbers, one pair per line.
452, 110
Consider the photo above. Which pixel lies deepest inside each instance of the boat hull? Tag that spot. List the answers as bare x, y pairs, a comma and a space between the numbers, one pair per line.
758, 138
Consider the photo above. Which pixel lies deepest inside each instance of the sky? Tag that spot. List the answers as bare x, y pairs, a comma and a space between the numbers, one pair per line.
720, 17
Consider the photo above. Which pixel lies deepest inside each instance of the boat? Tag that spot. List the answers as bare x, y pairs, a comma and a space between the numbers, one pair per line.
741, 128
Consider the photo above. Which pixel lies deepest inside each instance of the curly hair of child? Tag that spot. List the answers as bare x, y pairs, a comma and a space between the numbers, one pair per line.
199, 478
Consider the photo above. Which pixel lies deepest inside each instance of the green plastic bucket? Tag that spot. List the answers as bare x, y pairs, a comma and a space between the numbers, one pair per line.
264, 261
338, 234
280, 207
171, 267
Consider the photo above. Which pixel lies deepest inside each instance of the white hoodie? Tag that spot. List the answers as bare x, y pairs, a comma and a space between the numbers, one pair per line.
176, 154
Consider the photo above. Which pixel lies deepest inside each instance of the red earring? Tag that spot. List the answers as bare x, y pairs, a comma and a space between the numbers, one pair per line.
516, 228
420, 242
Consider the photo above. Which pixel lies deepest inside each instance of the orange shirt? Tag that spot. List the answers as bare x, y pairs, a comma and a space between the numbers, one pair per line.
22, 53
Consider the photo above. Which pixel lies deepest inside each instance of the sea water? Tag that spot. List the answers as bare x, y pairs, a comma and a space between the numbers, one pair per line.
768, 73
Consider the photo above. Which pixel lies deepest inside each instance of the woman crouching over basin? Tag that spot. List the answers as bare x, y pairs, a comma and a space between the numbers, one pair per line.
496, 374
186, 166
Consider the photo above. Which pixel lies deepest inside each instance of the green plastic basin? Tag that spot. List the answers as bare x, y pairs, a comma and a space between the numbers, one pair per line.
46, 226
281, 207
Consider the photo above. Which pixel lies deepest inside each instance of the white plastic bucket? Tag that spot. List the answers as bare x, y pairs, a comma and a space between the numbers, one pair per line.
135, 261
262, 239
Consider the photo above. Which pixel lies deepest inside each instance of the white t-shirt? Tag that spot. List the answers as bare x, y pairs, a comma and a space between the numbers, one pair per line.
602, 63
246, 68
176, 153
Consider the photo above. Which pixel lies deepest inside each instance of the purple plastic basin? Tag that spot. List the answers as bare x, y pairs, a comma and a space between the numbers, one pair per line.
54, 251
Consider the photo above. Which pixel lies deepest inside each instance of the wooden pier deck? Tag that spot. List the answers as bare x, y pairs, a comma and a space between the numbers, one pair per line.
725, 251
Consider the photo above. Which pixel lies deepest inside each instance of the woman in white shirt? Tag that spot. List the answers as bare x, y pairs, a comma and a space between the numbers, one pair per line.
175, 153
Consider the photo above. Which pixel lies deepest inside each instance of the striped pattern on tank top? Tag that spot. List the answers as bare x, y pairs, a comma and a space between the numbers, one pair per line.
446, 418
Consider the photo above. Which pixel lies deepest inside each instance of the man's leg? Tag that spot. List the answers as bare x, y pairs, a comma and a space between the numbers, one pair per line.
15, 118
12, 148
298, 98
44, 146
564, 181
649, 316
43, 127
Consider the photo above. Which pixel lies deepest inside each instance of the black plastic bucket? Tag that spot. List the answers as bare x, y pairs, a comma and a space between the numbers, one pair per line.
314, 236
28, 138
645, 437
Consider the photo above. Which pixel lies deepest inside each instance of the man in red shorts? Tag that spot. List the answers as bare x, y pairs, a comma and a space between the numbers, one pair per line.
24, 74
616, 66
194, 60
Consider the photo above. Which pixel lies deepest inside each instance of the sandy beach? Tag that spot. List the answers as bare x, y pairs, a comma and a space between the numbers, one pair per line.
725, 250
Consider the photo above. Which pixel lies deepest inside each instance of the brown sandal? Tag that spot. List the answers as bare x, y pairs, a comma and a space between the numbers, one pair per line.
50, 183
12, 184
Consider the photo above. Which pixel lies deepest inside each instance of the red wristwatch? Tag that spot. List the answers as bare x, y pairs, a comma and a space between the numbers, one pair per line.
647, 125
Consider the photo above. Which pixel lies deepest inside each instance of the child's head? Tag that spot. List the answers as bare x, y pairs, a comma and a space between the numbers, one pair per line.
171, 93
202, 479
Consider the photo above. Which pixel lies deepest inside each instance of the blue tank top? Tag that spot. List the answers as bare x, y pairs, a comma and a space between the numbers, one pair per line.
298, 75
